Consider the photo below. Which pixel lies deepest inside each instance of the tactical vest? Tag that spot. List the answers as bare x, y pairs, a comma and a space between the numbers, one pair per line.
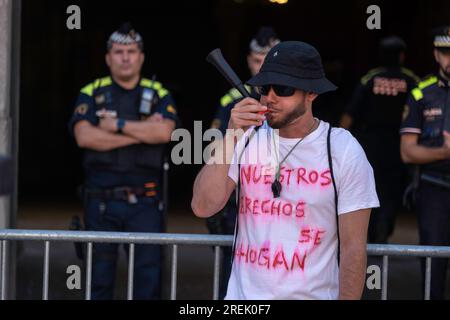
433, 94
139, 159
387, 90
435, 98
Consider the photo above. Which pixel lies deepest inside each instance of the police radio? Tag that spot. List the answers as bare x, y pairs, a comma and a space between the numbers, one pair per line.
149, 99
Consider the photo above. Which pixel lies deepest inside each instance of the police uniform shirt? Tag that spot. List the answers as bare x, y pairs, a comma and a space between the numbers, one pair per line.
426, 113
378, 100
114, 167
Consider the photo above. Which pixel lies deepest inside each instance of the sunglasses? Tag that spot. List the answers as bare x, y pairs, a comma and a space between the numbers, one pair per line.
280, 90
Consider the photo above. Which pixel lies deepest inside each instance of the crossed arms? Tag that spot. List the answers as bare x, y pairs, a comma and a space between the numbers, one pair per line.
153, 130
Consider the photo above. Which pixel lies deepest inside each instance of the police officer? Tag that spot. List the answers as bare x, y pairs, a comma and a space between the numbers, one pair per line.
425, 141
123, 122
224, 222
374, 114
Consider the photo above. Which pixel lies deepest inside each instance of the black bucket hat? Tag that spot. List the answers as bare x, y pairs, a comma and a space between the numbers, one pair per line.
294, 64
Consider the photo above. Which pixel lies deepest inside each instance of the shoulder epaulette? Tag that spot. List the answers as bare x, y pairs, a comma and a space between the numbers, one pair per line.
98, 83
428, 81
425, 83
147, 83
231, 96
371, 74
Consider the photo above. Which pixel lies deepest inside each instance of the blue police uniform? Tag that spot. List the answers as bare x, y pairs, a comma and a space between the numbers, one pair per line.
427, 113
122, 185
224, 221
376, 107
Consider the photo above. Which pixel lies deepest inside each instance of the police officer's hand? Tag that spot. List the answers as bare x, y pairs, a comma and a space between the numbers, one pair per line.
247, 113
447, 143
108, 124
156, 117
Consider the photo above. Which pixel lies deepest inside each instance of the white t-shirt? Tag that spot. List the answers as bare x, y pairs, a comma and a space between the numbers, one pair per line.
286, 247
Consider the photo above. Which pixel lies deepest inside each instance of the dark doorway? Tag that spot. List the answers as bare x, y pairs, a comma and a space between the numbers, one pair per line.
57, 62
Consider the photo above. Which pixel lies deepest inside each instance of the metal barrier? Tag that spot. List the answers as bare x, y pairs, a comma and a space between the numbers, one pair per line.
175, 240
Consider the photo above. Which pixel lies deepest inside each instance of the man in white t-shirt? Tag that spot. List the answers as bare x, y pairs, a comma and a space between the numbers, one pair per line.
305, 193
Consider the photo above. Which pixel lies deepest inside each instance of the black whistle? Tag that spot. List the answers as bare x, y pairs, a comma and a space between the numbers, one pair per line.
276, 188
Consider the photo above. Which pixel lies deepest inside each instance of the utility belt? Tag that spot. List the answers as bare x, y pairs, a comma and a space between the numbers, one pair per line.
409, 197
438, 180
125, 193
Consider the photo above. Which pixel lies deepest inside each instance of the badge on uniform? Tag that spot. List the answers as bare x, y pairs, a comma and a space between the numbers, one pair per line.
171, 109
82, 109
106, 113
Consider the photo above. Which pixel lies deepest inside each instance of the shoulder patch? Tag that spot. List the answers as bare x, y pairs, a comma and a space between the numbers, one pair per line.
235, 93
226, 100
427, 82
98, 83
82, 109
171, 109
146, 83
417, 94
232, 95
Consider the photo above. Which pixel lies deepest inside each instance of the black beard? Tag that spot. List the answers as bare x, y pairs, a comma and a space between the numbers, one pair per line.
445, 73
290, 117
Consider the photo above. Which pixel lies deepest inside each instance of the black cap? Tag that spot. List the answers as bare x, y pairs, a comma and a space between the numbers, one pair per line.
389, 50
294, 64
264, 40
442, 37
125, 34
393, 43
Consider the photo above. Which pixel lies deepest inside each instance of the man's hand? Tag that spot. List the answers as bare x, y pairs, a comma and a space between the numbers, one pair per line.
92, 137
156, 117
412, 152
245, 114
447, 140
108, 124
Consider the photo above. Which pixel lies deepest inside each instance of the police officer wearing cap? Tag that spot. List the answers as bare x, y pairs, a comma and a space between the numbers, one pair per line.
425, 141
224, 222
123, 122
374, 114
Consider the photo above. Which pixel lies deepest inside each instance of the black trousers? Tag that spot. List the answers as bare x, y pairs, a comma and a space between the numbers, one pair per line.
390, 178
121, 216
434, 229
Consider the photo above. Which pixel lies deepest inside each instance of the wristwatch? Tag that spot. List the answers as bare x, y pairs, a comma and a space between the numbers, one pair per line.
120, 125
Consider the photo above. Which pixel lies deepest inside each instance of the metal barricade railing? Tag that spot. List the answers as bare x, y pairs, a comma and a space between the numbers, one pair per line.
388, 250
90, 237
174, 240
